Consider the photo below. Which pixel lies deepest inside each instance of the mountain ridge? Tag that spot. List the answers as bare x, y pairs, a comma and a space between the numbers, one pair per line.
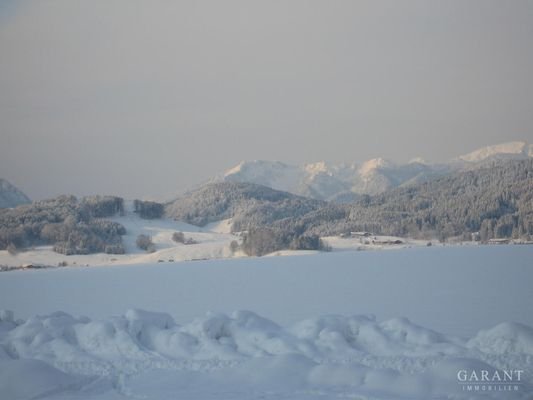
516, 149
347, 182
494, 201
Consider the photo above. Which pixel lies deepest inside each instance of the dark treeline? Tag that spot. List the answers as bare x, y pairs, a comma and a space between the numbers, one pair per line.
261, 241
72, 226
101, 206
148, 209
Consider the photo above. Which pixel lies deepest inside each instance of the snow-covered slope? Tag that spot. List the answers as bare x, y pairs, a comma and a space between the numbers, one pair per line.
330, 182
317, 180
210, 242
10, 196
274, 174
510, 150
343, 183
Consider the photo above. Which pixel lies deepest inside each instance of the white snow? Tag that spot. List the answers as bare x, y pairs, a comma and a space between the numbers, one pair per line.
236, 169
324, 326
441, 287
505, 150
370, 166
320, 167
418, 160
223, 226
274, 174
359, 242
325, 181
243, 356
212, 242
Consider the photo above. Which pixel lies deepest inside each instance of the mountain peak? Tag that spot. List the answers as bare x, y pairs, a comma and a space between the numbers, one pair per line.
11, 196
254, 165
374, 164
518, 149
325, 181
418, 160
235, 169
317, 168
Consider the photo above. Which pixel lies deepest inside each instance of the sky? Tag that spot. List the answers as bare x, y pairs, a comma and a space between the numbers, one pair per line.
146, 99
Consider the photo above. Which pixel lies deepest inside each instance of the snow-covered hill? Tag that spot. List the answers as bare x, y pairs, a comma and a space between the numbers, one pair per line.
504, 151
345, 182
210, 242
328, 182
10, 196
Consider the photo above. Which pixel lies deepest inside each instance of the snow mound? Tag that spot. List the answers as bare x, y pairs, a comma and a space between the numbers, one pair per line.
147, 354
505, 338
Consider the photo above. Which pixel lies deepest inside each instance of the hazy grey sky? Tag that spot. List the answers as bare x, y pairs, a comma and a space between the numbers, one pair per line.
147, 98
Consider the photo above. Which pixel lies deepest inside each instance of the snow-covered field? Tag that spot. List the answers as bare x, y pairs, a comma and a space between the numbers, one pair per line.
362, 325
211, 242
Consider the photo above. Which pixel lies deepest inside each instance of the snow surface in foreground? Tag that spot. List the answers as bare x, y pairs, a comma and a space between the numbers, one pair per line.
324, 344
244, 356
456, 290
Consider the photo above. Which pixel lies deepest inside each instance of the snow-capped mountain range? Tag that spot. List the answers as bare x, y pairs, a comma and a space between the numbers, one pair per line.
510, 150
345, 182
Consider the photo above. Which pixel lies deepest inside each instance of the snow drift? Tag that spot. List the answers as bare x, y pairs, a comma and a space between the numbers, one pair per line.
244, 355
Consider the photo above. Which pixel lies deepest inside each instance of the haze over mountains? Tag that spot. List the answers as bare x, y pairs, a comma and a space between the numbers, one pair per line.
487, 194
344, 183
341, 183
10, 196
510, 150
496, 197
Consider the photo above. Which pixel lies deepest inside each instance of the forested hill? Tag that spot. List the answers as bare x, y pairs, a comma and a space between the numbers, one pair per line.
496, 201
247, 204
72, 226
